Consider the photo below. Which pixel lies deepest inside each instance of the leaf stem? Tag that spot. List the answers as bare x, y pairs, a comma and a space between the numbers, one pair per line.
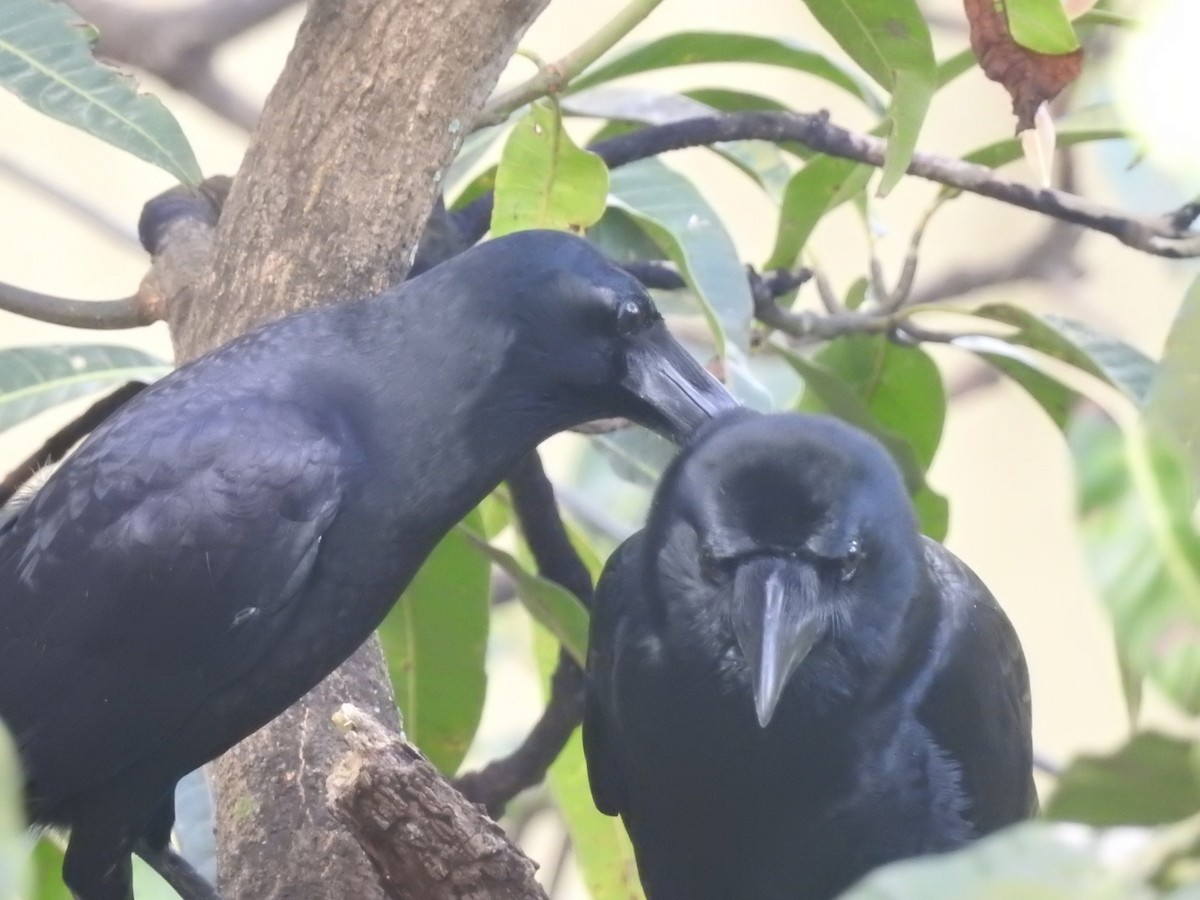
552, 78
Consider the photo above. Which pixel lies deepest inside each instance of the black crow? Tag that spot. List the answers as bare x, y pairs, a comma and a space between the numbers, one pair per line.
234, 532
787, 684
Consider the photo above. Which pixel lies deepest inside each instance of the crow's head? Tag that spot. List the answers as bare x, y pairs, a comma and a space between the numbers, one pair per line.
586, 341
782, 539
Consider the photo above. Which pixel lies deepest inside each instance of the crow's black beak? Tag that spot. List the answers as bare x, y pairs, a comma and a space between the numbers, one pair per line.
678, 393
777, 621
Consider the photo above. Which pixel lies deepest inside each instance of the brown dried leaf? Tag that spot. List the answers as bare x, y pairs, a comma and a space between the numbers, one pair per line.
1031, 78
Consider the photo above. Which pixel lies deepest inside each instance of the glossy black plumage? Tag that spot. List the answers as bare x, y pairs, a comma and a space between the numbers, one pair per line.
787, 684
238, 529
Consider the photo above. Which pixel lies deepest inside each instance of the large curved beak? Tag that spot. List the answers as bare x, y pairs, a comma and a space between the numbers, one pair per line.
678, 394
777, 621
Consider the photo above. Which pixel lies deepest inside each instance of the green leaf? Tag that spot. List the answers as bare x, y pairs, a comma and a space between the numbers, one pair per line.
901, 386
1173, 401
1133, 685
14, 842
545, 180
685, 227
46, 60
474, 147
894, 393
1078, 344
435, 642
821, 186
1107, 17
890, 40
1152, 780
34, 379
623, 239
481, 184
1031, 861
1041, 26
1055, 398
1144, 554
602, 847
685, 48
48, 858
553, 606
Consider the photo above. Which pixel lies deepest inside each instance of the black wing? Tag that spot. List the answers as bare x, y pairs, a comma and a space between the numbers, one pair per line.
614, 612
152, 570
977, 702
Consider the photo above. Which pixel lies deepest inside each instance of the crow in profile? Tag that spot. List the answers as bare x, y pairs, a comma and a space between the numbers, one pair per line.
233, 533
787, 684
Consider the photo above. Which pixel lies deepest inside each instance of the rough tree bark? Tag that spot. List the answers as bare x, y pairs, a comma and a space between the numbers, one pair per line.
393, 799
328, 204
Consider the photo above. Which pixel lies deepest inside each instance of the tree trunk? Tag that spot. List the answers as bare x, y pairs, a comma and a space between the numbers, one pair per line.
328, 205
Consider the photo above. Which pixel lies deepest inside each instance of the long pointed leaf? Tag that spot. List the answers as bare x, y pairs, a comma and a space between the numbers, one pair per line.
603, 849
693, 47
46, 60
1078, 344
34, 379
890, 40
1173, 401
681, 222
435, 643
1144, 553
556, 608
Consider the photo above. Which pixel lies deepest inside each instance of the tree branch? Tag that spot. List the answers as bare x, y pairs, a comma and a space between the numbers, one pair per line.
142, 308
1158, 235
537, 511
426, 841
328, 205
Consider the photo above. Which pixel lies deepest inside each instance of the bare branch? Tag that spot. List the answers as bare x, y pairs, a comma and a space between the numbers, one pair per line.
425, 840
1157, 235
142, 308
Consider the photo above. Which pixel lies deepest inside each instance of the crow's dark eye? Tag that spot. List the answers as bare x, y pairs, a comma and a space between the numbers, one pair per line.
710, 566
631, 318
851, 561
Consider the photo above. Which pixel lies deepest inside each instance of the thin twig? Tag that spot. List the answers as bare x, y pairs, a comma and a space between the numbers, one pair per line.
1157, 235
552, 78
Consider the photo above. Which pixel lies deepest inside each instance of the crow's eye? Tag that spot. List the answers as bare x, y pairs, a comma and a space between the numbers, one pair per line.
851, 561
631, 318
710, 566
